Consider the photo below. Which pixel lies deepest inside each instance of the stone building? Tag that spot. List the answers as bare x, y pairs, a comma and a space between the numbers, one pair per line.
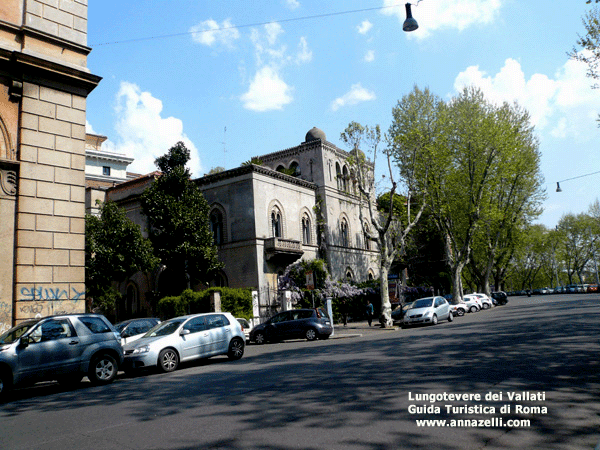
44, 83
296, 203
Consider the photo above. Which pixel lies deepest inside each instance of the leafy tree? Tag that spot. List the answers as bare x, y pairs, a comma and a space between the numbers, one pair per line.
179, 227
389, 232
114, 250
588, 46
215, 170
460, 155
579, 237
527, 262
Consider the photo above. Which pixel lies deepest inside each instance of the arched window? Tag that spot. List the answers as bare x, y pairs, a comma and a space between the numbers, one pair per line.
276, 225
295, 169
366, 233
216, 226
306, 230
349, 274
370, 276
280, 168
344, 233
345, 179
338, 174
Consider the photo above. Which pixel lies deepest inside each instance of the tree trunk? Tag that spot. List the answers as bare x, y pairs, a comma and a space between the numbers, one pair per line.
386, 307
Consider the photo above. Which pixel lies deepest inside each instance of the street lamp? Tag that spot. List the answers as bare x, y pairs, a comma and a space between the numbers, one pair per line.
410, 24
558, 189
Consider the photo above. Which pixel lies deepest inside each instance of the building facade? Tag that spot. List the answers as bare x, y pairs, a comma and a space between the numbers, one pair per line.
44, 83
296, 203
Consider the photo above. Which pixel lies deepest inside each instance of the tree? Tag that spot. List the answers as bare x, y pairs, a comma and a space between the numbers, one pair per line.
464, 157
114, 250
179, 227
579, 237
589, 53
389, 233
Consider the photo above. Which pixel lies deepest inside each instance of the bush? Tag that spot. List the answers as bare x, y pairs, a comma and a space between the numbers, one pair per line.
238, 302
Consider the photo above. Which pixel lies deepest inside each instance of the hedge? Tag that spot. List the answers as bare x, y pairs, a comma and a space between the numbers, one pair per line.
238, 302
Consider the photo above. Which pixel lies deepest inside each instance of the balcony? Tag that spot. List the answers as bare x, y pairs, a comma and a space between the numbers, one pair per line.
283, 249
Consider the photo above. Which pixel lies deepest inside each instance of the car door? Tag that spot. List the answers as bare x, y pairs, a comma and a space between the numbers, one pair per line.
444, 308
276, 328
219, 329
52, 349
195, 342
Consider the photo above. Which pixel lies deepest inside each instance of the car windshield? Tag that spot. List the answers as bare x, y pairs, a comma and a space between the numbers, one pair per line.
423, 303
165, 328
120, 326
16, 332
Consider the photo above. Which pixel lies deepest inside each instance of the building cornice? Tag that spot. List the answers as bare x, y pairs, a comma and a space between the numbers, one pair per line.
253, 168
36, 69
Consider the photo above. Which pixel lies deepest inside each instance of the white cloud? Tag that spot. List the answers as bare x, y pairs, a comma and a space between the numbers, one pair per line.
89, 128
304, 54
210, 33
370, 56
143, 133
565, 105
433, 15
356, 94
292, 4
267, 91
364, 27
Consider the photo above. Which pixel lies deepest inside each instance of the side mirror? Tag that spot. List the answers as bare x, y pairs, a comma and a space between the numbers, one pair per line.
184, 332
25, 341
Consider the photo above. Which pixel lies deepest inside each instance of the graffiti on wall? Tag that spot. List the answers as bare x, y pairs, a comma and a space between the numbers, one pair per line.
5, 316
41, 301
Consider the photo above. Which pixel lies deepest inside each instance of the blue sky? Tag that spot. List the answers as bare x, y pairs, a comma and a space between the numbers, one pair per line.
235, 79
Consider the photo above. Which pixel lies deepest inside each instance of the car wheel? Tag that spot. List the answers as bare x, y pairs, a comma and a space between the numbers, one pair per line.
310, 334
434, 320
103, 369
70, 380
450, 317
168, 360
259, 338
460, 312
236, 349
486, 306
473, 309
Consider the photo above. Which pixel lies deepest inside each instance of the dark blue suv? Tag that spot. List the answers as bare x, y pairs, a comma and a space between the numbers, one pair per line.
307, 324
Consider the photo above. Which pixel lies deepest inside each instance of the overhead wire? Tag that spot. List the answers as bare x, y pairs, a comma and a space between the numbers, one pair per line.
258, 24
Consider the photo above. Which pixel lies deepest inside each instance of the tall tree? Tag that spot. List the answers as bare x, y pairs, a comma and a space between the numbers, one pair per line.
588, 46
114, 250
579, 238
462, 155
388, 232
179, 226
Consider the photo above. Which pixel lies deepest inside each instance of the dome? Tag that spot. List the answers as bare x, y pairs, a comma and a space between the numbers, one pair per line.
314, 134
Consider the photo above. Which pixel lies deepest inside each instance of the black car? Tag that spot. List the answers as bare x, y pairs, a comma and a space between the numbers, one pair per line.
307, 324
134, 329
500, 298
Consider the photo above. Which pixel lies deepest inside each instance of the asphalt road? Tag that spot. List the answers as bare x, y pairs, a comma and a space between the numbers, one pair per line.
362, 392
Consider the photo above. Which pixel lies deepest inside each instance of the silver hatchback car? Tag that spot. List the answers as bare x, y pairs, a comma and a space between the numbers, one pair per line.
428, 310
185, 339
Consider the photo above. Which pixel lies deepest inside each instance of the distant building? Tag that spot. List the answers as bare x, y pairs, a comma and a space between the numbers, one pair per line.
301, 202
44, 83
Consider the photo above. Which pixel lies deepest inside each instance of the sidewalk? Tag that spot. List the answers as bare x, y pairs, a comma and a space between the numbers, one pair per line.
359, 329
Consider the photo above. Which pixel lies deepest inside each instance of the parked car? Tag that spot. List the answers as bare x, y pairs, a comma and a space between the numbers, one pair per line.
500, 297
134, 329
428, 310
486, 302
400, 310
459, 309
64, 348
246, 327
185, 339
310, 324
473, 303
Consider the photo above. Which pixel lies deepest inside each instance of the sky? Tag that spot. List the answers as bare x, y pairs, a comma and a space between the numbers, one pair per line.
236, 79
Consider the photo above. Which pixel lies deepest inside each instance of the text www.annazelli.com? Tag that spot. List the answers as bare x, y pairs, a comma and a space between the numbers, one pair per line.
493, 422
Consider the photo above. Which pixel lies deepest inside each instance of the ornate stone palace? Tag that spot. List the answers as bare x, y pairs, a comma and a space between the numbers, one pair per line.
296, 203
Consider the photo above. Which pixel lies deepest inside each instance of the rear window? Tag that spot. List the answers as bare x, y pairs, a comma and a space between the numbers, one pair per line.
95, 324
